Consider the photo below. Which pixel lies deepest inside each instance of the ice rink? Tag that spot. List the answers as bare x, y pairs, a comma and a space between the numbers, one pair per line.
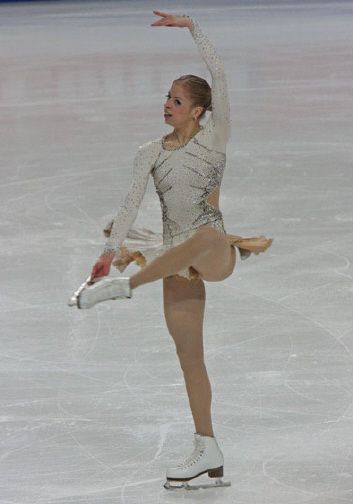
93, 402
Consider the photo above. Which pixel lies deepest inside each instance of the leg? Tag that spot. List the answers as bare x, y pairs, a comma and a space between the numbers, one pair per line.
208, 251
184, 304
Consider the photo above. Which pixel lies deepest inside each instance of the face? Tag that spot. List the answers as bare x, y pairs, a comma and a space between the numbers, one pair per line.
178, 104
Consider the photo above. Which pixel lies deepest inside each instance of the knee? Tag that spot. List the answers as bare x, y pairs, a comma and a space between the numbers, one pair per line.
190, 361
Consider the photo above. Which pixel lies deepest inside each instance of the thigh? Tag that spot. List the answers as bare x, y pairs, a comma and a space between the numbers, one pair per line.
184, 307
217, 261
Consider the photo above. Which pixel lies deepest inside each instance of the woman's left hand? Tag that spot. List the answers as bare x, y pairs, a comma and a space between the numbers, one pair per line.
102, 266
171, 20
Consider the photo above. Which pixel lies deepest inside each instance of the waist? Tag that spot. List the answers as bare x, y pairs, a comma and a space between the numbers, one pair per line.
170, 237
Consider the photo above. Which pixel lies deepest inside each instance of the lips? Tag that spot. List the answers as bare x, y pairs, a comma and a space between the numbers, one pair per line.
166, 114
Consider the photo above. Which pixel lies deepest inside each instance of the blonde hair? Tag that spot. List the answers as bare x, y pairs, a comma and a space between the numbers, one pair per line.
199, 90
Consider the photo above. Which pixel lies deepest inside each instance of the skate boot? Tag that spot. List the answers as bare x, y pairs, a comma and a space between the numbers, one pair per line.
90, 293
206, 457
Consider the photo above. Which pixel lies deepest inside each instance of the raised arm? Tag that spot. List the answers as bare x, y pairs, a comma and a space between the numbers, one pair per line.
127, 212
219, 120
220, 115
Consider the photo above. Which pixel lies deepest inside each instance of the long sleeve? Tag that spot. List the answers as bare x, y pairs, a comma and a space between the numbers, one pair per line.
220, 116
127, 212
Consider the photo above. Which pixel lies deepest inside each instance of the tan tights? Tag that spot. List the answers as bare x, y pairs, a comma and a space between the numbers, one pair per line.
184, 305
207, 251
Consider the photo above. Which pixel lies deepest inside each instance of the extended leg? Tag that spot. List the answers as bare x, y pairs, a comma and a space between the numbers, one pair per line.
184, 304
207, 251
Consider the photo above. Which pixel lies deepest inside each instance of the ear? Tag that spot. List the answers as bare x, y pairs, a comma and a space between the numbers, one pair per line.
197, 111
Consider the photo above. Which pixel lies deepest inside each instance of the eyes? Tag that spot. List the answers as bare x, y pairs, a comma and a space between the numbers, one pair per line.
176, 100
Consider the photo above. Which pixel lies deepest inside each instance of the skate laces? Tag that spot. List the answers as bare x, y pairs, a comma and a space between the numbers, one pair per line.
197, 453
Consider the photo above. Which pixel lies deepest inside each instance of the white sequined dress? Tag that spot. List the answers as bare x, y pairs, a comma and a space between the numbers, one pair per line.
184, 178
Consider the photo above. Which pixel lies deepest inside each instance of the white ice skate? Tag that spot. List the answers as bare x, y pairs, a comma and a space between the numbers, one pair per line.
206, 457
101, 289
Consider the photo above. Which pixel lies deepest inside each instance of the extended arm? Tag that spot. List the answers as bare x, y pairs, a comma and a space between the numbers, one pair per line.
127, 212
220, 101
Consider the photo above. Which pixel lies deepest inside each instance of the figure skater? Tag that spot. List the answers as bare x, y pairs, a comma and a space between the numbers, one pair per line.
187, 167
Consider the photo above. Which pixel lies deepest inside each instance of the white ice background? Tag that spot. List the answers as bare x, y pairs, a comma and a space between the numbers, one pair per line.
93, 403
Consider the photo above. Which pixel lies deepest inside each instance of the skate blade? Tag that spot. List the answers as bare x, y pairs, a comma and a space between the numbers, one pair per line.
73, 301
184, 485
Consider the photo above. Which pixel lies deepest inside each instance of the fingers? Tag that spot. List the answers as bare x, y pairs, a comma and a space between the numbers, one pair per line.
96, 272
163, 22
167, 20
94, 278
160, 22
101, 268
160, 13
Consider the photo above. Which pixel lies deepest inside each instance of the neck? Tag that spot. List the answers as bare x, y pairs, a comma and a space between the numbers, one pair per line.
184, 133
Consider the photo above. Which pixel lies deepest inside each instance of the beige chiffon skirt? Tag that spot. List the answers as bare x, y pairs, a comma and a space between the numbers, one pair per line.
142, 245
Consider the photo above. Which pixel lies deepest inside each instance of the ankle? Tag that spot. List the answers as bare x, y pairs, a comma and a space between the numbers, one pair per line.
205, 433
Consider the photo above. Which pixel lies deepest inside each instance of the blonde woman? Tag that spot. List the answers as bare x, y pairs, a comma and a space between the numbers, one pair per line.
187, 167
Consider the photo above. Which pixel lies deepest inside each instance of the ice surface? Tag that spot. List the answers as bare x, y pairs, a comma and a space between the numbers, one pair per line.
93, 404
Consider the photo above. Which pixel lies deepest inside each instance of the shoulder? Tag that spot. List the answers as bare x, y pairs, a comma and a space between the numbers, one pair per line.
151, 145
150, 148
212, 137
148, 152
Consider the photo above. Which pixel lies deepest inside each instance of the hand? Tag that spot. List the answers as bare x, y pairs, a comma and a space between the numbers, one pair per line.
102, 266
171, 20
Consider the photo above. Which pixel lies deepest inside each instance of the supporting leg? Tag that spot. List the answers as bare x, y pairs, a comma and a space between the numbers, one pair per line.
184, 304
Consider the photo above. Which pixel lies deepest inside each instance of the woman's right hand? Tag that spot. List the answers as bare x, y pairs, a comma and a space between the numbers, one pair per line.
102, 266
171, 20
